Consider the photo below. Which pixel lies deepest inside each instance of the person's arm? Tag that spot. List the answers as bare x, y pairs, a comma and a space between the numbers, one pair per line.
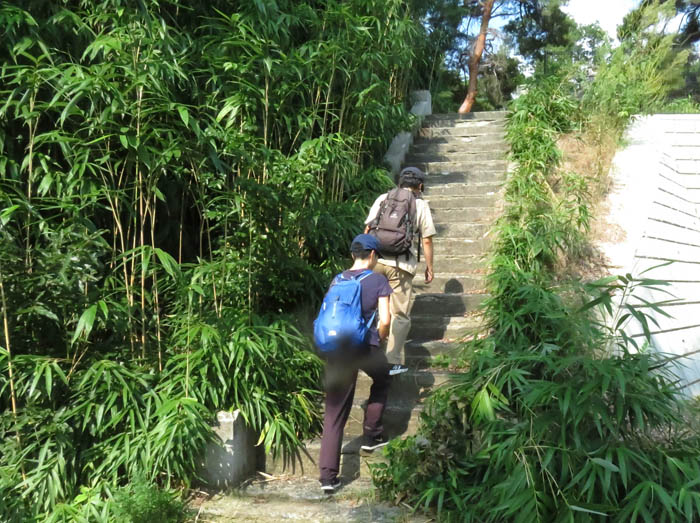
384, 317
428, 253
374, 210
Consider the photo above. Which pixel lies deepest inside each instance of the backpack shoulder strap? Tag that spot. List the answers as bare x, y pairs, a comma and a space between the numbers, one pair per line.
363, 275
412, 207
382, 205
338, 278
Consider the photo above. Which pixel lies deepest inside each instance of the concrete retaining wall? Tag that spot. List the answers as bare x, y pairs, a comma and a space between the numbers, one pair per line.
422, 106
656, 201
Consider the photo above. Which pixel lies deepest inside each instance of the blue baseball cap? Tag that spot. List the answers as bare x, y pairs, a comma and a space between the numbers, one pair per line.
364, 242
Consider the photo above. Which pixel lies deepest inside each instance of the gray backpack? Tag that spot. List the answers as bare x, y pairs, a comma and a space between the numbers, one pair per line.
394, 226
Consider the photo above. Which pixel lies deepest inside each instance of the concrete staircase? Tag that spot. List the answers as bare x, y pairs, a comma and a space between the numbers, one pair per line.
465, 159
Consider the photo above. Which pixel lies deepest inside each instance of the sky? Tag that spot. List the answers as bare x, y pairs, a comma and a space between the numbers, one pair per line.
608, 13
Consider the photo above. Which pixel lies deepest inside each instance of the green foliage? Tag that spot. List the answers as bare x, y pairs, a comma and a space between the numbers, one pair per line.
113, 419
141, 502
538, 222
177, 180
641, 72
543, 32
686, 105
552, 433
560, 416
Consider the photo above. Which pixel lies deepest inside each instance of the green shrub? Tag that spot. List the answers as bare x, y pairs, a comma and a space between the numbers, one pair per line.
553, 432
560, 415
686, 105
143, 502
641, 72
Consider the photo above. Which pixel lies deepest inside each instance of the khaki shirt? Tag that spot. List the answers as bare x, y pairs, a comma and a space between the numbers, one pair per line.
425, 226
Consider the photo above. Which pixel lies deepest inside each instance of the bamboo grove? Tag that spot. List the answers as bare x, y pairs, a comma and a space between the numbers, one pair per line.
177, 180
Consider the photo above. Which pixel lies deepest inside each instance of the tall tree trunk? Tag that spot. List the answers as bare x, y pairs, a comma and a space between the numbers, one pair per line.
476, 58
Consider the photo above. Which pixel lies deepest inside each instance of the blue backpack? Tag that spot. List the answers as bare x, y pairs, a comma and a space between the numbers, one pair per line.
340, 323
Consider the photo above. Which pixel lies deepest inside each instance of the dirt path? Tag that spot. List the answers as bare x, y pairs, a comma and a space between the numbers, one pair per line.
289, 498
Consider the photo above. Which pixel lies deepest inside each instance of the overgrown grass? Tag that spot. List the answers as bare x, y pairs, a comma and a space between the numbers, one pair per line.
560, 416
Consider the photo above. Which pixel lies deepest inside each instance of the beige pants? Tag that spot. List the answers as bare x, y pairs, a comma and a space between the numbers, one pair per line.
401, 283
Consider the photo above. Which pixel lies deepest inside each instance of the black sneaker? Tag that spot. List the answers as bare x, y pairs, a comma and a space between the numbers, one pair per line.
372, 443
397, 369
330, 485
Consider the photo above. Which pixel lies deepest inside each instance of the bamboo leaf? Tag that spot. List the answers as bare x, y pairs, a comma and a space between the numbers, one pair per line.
184, 114
85, 323
608, 465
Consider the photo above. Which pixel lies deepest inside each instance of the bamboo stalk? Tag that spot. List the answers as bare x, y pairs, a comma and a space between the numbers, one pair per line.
132, 272
343, 106
182, 223
30, 179
250, 276
265, 121
217, 311
10, 370
114, 205
224, 265
6, 328
156, 298
142, 223
328, 97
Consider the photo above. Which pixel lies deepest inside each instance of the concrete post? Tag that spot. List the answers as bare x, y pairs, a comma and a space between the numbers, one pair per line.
231, 460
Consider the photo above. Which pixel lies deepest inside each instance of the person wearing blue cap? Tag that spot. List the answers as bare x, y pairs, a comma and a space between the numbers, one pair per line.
341, 368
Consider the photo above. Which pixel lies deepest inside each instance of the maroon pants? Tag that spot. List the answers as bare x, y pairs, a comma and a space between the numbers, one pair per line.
340, 379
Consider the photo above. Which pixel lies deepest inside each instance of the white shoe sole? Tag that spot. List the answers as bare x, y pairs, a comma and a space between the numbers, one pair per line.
396, 372
372, 448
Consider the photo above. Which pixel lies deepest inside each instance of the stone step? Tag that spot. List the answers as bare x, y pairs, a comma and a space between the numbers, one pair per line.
471, 215
455, 156
434, 347
461, 246
444, 201
419, 354
464, 230
439, 127
406, 390
434, 327
397, 421
447, 283
401, 418
462, 189
469, 176
446, 304
461, 167
297, 499
472, 265
447, 120
353, 464
445, 144
491, 129
451, 118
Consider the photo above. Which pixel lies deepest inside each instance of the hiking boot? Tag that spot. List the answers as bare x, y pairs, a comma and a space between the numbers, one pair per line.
372, 443
330, 486
397, 369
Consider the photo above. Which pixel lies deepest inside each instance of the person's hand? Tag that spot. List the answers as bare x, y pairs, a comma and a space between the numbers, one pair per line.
428, 274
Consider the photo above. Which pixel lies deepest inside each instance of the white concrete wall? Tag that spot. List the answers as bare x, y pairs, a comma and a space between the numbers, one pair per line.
656, 201
422, 106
